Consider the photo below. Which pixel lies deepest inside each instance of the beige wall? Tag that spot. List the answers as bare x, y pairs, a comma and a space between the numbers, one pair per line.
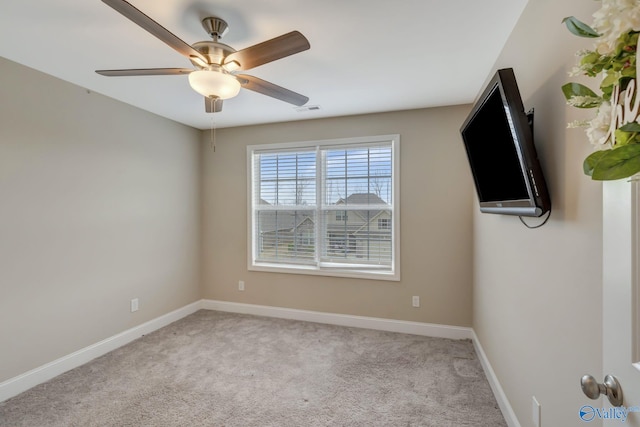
99, 203
537, 293
436, 221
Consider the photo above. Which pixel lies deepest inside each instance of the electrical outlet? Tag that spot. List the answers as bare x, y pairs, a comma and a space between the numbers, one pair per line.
241, 285
134, 305
415, 301
535, 411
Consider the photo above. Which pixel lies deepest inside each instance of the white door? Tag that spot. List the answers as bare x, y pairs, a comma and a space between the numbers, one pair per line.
621, 299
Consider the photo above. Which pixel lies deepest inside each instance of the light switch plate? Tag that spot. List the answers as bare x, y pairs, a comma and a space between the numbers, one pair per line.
134, 305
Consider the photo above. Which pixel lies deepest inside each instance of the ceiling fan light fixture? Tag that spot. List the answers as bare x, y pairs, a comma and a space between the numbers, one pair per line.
214, 84
216, 62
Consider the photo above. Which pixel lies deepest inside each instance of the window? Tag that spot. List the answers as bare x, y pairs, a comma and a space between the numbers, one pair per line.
325, 207
384, 224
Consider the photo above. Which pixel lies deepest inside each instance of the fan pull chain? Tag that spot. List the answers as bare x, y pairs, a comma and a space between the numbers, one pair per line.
212, 141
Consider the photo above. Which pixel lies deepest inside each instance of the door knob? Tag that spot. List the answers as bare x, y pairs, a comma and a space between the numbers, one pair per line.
611, 388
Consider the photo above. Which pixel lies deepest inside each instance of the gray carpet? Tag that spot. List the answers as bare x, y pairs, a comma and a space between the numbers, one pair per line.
222, 369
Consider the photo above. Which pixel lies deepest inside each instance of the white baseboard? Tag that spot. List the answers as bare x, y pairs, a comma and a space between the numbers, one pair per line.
507, 411
23, 382
389, 325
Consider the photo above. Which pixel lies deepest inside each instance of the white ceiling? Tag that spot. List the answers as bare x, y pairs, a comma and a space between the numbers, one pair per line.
366, 55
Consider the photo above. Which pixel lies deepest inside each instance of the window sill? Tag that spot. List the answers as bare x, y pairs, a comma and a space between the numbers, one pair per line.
329, 272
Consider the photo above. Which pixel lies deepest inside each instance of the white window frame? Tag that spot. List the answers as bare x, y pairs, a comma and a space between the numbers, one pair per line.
327, 269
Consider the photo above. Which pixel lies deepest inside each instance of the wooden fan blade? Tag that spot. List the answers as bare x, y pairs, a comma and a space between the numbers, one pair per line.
264, 87
262, 53
145, 72
139, 18
212, 105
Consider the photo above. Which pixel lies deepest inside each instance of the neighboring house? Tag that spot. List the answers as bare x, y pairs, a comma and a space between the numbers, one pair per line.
360, 234
284, 234
351, 233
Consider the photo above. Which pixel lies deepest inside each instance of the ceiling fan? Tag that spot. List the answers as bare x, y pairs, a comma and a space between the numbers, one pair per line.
216, 64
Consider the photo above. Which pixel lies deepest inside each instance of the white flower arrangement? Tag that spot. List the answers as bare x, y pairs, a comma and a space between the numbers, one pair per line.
615, 129
614, 18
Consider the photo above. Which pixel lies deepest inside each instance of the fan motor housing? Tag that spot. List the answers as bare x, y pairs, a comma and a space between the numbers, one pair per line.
215, 52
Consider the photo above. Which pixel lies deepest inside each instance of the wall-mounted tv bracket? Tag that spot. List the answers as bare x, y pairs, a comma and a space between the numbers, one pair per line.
530, 120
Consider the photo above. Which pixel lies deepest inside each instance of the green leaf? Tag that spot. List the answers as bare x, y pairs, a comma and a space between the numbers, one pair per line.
610, 80
628, 72
630, 127
579, 28
591, 161
622, 137
576, 89
607, 92
571, 90
618, 163
590, 58
624, 81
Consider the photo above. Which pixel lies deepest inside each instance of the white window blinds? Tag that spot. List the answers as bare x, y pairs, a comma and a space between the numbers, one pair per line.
328, 206
285, 206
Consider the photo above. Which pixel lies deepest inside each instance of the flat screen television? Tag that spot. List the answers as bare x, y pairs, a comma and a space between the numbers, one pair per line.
498, 137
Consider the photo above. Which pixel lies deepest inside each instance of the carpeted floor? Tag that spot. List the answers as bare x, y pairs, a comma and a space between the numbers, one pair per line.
222, 369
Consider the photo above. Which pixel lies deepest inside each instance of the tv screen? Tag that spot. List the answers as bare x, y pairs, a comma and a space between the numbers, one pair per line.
498, 138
